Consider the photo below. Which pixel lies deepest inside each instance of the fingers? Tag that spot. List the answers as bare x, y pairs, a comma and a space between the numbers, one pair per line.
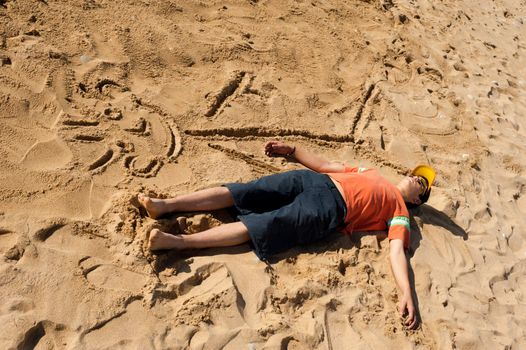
268, 147
407, 312
410, 320
412, 325
269, 144
274, 147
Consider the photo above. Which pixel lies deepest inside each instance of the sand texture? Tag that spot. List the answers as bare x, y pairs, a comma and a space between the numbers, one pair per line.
101, 100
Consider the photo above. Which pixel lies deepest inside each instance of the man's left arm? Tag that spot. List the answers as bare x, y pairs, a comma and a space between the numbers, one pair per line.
399, 266
307, 158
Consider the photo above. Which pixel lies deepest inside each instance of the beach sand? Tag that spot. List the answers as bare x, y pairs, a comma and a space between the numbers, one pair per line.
101, 100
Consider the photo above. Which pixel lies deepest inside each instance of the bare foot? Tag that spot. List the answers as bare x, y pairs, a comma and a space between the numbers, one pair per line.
155, 207
162, 240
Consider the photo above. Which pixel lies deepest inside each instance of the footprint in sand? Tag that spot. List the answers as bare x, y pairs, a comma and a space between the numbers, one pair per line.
47, 155
23, 331
8, 240
509, 287
115, 333
73, 237
45, 335
108, 276
207, 293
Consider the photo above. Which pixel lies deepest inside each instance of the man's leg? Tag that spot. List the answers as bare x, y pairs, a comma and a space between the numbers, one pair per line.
209, 199
220, 236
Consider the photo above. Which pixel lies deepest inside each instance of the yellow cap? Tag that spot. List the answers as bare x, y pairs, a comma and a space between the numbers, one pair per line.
427, 173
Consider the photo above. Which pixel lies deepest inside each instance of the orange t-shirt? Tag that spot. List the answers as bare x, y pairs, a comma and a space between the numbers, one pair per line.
373, 204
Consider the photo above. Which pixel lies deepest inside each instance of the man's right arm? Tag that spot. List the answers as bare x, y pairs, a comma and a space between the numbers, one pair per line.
303, 156
399, 266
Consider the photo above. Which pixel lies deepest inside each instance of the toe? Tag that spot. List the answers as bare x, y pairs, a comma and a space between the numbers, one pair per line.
142, 198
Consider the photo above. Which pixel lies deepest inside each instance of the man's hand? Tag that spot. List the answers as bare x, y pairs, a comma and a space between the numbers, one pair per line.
407, 310
277, 148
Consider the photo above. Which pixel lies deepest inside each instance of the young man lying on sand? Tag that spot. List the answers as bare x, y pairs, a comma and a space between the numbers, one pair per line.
283, 210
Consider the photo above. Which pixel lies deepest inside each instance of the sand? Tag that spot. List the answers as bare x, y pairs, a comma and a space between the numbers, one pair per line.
100, 100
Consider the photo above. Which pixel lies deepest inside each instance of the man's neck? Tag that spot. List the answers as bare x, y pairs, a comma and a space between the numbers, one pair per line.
404, 196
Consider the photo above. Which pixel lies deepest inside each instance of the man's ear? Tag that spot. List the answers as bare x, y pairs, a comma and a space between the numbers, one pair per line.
417, 201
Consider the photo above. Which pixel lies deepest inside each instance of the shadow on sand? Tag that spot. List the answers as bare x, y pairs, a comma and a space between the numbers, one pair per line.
431, 216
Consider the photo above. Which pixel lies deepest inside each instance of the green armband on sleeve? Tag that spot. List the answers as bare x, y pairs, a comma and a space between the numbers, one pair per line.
399, 220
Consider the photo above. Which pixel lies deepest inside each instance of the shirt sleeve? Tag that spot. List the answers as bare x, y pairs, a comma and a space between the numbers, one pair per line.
398, 228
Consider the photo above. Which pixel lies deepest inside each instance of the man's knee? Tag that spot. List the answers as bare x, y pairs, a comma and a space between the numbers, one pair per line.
225, 194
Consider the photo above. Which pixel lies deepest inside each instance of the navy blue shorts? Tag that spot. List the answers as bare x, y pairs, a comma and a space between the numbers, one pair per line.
288, 209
